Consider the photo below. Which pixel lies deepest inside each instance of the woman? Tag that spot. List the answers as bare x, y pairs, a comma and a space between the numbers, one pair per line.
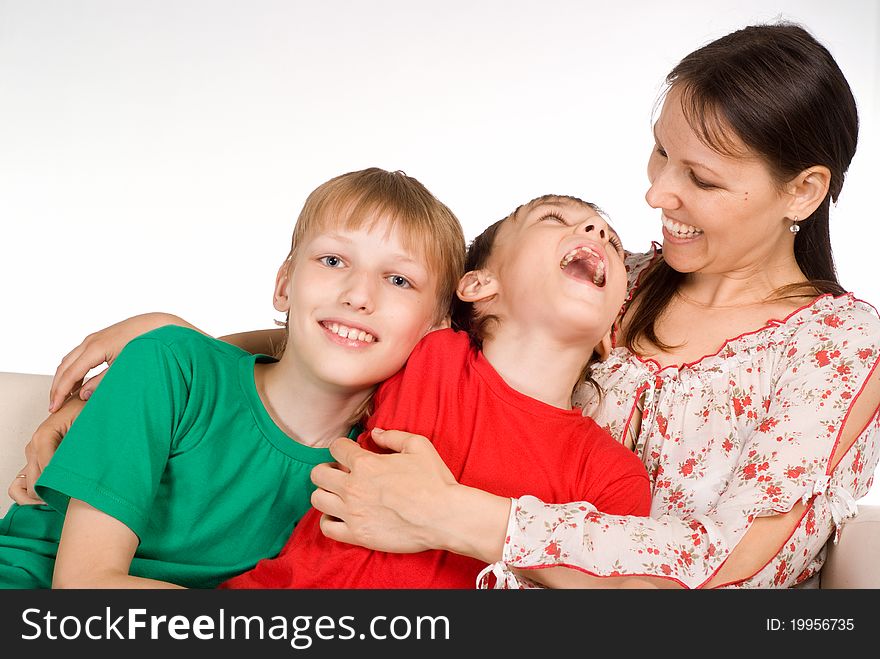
742, 373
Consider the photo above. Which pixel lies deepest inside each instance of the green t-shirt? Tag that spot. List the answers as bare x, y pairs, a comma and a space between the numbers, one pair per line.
176, 444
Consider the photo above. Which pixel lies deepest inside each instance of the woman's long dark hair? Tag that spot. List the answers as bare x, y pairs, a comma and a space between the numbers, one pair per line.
780, 92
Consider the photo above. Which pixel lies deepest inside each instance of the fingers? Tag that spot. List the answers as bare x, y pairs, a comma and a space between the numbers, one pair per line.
329, 476
345, 451
39, 451
399, 441
91, 384
31, 471
336, 529
328, 503
26, 479
19, 491
96, 349
63, 381
70, 378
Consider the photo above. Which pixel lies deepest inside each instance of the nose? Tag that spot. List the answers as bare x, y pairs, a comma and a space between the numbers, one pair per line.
596, 227
359, 293
662, 192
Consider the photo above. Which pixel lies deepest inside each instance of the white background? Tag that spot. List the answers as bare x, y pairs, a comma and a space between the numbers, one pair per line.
155, 155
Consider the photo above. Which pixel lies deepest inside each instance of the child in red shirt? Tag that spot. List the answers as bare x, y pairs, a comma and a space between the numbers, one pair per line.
542, 290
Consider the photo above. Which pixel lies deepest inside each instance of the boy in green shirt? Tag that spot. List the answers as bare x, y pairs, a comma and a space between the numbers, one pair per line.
191, 462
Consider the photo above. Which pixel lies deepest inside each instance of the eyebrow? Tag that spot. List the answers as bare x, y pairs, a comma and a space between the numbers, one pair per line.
399, 256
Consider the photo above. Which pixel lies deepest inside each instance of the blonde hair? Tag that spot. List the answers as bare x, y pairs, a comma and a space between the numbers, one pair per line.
368, 196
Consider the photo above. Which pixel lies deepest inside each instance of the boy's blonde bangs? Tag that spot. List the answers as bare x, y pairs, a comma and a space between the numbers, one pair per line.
361, 199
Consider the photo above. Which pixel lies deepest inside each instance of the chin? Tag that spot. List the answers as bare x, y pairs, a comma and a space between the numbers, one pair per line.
677, 263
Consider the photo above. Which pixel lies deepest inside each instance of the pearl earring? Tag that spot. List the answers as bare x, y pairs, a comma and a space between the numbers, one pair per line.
794, 228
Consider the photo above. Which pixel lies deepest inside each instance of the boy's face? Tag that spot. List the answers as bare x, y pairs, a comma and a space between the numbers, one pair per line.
559, 265
358, 303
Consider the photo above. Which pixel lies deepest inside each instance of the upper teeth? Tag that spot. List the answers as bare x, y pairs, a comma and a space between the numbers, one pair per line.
573, 254
680, 229
598, 274
350, 333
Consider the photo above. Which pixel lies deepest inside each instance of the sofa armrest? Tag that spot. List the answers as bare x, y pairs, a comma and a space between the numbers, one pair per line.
25, 402
854, 562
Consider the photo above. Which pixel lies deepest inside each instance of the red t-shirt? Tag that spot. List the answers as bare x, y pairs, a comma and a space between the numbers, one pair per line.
491, 437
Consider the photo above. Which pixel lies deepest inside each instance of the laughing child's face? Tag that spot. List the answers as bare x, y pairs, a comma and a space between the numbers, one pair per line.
559, 267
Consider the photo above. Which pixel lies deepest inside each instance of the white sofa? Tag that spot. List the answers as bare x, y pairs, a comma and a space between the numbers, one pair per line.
853, 563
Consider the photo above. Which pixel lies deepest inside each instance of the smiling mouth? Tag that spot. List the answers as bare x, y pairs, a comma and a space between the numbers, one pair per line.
350, 333
584, 264
680, 230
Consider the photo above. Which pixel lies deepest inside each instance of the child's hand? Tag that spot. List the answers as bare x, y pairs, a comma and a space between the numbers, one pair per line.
40, 449
98, 348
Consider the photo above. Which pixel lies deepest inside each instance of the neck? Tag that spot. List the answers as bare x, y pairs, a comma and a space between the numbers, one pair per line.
309, 412
740, 288
537, 365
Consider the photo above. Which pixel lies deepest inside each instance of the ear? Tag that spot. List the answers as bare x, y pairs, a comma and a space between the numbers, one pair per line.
281, 297
476, 286
603, 348
808, 189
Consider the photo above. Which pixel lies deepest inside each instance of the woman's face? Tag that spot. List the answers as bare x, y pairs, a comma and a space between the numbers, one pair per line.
721, 214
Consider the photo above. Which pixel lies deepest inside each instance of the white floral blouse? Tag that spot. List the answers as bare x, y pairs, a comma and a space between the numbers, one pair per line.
742, 433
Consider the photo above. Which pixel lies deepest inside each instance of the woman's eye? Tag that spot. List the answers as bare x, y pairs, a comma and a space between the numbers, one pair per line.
331, 261
553, 217
701, 183
399, 281
660, 151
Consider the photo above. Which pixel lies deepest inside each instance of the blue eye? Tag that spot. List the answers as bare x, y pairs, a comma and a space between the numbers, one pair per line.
399, 281
331, 261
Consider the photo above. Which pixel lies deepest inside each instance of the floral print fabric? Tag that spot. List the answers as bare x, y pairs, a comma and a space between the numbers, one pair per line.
742, 433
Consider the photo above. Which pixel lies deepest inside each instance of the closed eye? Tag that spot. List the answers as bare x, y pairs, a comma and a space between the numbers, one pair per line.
700, 183
553, 216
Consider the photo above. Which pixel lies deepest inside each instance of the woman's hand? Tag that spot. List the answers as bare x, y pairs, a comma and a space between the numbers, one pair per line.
98, 348
406, 501
40, 449
381, 501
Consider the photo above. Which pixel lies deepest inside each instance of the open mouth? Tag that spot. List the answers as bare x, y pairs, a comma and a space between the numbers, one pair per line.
350, 333
584, 264
680, 230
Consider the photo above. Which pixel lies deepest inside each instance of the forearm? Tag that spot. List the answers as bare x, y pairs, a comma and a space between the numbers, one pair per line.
109, 580
590, 543
96, 551
563, 577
